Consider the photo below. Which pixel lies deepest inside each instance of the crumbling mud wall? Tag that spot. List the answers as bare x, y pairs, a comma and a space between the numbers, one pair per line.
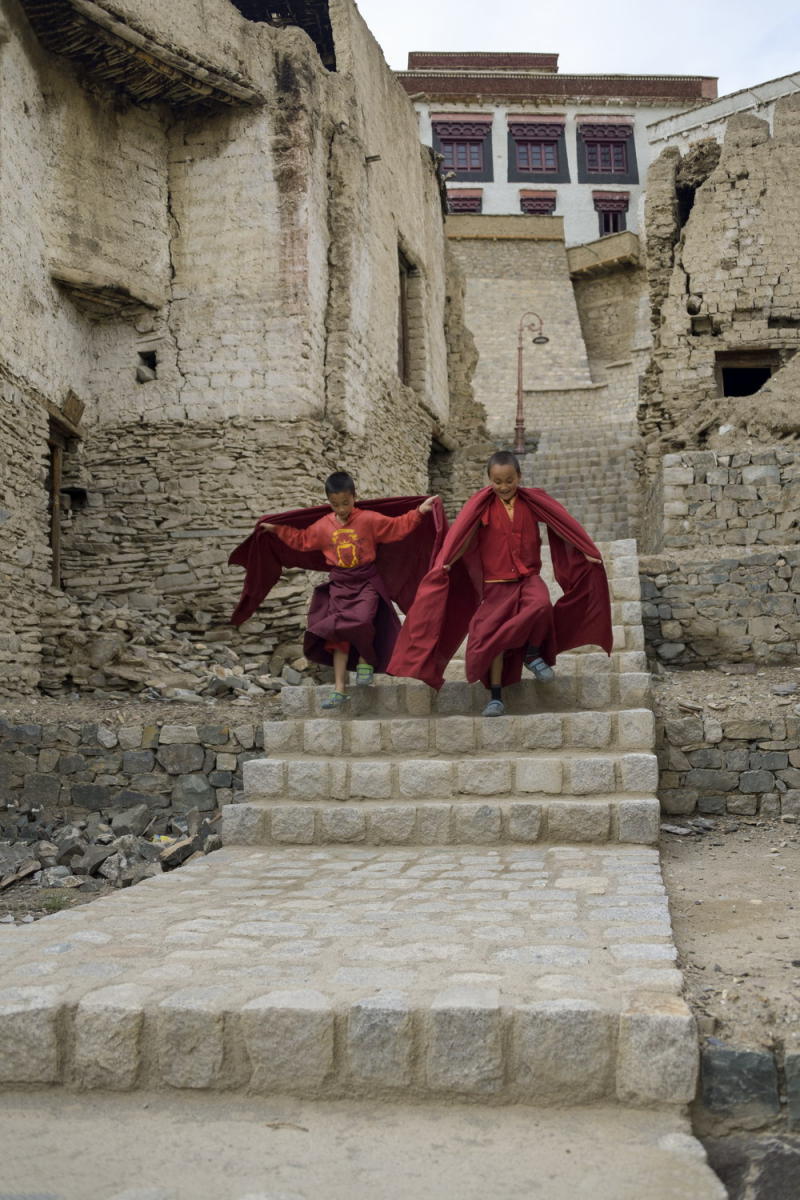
723, 260
211, 250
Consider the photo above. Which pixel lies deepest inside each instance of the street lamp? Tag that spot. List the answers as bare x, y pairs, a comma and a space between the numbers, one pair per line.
535, 327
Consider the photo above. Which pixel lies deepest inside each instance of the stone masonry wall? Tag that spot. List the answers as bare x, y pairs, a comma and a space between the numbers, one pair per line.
712, 764
227, 311
507, 277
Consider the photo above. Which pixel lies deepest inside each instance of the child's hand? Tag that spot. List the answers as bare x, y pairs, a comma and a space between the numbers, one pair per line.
592, 560
427, 505
269, 528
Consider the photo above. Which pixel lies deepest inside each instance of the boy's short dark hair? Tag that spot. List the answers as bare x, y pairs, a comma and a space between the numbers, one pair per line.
503, 458
340, 481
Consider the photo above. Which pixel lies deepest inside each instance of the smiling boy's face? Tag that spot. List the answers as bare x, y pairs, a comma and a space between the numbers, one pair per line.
505, 481
342, 504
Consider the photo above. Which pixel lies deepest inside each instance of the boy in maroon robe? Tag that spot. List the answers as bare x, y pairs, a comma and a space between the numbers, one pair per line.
486, 582
351, 621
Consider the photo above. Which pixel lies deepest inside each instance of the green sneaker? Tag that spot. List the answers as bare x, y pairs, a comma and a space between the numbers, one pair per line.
365, 675
335, 700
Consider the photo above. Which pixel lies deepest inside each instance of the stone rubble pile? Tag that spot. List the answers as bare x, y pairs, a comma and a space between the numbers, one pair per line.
111, 647
88, 852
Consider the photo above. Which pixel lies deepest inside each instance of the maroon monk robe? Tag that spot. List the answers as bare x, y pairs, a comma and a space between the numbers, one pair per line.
365, 609
447, 600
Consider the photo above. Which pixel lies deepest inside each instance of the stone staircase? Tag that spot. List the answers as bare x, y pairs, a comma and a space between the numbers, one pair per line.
590, 468
414, 904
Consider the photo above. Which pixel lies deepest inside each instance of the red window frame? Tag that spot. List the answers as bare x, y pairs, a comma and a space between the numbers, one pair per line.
462, 154
606, 157
537, 155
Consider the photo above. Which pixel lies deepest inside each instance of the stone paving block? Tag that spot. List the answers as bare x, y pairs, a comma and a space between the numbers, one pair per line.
657, 1060
455, 699
308, 779
568, 821
380, 1041
634, 689
371, 780
108, 1026
244, 824
638, 821
456, 735
498, 735
292, 824
418, 700
365, 737
421, 778
322, 737
484, 776
638, 773
636, 729
288, 1036
539, 775
409, 736
591, 730
263, 777
465, 1042
297, 701
563, 1050
190, 1027
342, 824
541, 731
391, 824
171, 734
340, 779
433, 824
29, 1051
479, 824
524, 822
584, 776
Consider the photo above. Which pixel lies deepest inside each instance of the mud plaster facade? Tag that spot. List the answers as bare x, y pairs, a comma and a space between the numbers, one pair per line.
214, 275
724, 272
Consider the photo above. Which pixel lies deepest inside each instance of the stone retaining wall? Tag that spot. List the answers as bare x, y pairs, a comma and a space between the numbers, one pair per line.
80, 768
698, 612
743, 499
716, 764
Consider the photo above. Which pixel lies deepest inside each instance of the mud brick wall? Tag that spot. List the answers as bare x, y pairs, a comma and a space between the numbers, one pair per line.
699, 612
711, 764
78, 769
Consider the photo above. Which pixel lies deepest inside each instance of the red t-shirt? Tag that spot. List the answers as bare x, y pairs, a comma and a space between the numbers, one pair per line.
508, 548
354, 543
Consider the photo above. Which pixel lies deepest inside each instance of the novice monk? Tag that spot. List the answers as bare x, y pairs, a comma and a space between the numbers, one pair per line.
486, 581
351, 621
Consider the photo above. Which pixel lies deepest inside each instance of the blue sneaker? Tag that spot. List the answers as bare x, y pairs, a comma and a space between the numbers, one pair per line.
335, 700
495, 708
539, 669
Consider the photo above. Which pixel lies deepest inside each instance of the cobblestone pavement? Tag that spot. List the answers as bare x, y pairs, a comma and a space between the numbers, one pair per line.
513, 972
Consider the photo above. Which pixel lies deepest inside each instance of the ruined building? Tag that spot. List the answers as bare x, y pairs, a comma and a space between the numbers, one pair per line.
224, 275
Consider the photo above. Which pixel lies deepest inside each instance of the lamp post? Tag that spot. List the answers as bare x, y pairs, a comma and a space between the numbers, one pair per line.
535, 327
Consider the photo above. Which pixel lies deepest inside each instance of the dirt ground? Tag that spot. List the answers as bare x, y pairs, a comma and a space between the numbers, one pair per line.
738, 690
735, 903
120, 710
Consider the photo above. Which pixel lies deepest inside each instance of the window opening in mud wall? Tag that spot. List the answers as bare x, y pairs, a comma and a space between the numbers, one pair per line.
440, 469
411, 341
742, 373
403, 348
57, 443
311, 15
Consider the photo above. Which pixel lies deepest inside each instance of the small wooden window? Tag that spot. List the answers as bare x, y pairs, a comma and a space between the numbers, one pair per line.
538, 156
462, 155
607, 158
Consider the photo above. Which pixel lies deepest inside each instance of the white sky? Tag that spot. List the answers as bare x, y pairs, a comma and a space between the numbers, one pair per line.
742, 41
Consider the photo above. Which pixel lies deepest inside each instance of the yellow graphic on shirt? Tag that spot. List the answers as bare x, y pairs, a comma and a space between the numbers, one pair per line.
345, 543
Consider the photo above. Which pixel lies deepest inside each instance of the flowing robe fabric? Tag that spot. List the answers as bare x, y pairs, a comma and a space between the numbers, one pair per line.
365, 601
447, 600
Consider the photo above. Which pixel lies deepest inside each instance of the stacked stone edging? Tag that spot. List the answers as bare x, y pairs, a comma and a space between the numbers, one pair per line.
698, 612
747, 1088
94, 767
728, 764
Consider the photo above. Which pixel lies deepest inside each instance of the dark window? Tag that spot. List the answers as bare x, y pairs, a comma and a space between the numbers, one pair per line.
465, 147
403, 356
607, 158
538, 205
611, 208
310, 15
462, 156
612, 222
606, 154
541, 157
536, 150
464, 204
743, 372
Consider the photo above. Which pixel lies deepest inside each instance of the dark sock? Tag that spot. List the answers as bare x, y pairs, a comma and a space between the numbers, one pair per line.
497, 693
532, 652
